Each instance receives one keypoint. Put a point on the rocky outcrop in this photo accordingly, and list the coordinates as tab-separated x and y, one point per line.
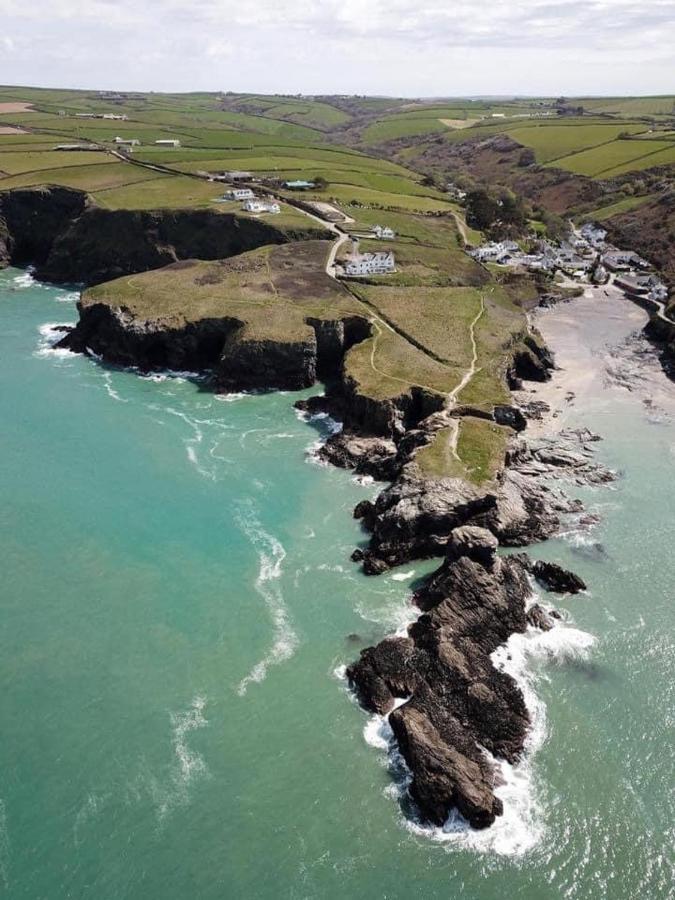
457	702
70	239
532	361
555	578
413	518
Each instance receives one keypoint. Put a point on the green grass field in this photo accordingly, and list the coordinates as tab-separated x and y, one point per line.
425	318
616	157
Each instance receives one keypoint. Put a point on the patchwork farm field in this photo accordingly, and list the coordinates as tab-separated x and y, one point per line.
363	154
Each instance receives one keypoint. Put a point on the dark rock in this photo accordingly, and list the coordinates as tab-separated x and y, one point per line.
511	416
557	579
414	517
538	617
476	543
374	456
458	703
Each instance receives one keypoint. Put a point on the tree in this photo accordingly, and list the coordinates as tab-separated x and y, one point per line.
481	209
320	182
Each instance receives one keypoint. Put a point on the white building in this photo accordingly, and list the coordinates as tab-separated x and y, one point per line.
168	142
384	233
127	142
239	194
262	206
378	263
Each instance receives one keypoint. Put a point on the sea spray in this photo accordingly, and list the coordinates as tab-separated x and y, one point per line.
271	555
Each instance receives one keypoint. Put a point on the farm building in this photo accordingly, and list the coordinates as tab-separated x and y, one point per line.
239	194
262	206
384	232
168	142
127	142
379	263
299	185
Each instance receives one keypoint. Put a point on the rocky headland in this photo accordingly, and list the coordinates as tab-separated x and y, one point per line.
273	318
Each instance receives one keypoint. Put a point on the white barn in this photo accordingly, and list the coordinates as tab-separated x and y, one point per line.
168	142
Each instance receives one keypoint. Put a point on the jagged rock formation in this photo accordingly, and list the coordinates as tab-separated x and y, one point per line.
458	703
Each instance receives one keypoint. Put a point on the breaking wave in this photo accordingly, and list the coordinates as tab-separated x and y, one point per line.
50	334
271	555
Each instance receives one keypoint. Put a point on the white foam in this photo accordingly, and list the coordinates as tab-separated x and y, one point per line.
50	334
110	390
26	280
402	576
89	810
5	847
340	672
271	555
69	297
190	763
230	398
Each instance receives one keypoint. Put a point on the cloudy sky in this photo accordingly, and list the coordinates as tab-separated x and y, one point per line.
395	47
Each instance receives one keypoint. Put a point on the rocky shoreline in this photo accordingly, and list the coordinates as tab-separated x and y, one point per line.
457	704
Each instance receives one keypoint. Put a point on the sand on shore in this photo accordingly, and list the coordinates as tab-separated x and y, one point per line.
586	334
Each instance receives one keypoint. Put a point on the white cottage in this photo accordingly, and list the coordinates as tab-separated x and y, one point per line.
378	263
384	233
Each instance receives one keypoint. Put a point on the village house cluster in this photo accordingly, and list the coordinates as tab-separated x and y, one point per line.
586	255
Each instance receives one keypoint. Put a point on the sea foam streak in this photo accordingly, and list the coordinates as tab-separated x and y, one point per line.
271	554
520	827
188	764
4	847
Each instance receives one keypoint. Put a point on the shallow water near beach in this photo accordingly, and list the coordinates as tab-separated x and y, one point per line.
177	602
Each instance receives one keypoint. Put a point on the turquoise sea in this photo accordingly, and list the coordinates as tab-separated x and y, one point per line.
176	604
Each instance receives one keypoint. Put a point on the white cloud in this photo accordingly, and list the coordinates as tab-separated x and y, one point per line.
385	46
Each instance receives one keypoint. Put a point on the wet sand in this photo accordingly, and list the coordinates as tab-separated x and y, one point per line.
598	345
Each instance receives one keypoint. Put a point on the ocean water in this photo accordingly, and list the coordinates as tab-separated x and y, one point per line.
177	604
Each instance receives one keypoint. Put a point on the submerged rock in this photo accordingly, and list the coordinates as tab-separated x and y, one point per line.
557	579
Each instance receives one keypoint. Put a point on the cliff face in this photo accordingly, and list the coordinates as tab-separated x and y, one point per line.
32	219
70	239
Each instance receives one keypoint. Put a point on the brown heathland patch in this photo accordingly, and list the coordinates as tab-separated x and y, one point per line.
16	107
